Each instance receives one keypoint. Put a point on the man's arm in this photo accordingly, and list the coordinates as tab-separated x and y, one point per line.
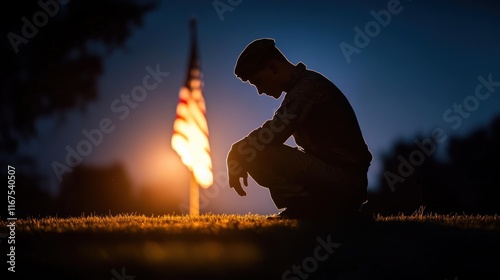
278	129
274	131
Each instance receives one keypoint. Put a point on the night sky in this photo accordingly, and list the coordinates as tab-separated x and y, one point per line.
418	72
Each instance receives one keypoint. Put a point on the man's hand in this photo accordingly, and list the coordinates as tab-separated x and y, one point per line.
235	171
235	183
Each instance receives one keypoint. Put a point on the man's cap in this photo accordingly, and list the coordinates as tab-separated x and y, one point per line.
252	57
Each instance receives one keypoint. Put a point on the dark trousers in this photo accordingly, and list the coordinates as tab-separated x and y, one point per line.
304	183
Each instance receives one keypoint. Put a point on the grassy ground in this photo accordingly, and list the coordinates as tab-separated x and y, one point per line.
251	247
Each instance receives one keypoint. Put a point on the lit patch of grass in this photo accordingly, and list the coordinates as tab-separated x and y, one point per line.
220	223
133	223
483	222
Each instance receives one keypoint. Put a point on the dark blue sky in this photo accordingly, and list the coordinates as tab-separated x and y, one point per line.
402	82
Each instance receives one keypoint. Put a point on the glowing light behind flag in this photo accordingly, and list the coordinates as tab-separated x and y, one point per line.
190	136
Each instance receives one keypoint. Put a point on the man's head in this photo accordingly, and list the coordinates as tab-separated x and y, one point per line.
264	66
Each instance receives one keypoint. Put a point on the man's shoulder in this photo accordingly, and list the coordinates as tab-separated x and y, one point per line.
313	82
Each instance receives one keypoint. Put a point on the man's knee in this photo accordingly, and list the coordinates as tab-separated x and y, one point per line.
269	167
268	157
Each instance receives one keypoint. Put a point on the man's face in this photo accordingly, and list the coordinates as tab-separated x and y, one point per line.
266	82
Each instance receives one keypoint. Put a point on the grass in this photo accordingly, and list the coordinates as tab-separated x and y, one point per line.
482	222
209	246
214	224
169	224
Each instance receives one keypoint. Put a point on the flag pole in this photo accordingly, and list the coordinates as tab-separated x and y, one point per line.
190	135
194	196
194	188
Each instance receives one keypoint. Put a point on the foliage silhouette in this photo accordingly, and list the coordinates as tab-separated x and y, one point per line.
52	57
57	69
467	182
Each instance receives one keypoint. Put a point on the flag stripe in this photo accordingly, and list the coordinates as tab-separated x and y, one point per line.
190	134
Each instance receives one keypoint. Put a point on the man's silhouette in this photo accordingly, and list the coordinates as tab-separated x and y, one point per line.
326	175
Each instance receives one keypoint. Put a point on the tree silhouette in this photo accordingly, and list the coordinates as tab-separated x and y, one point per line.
475	163
96	190
52	55
398	192
467	183
29	199
101	190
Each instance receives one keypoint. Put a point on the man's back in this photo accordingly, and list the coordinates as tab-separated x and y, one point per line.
326	125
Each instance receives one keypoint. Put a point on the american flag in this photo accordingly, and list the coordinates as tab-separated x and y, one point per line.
190	135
